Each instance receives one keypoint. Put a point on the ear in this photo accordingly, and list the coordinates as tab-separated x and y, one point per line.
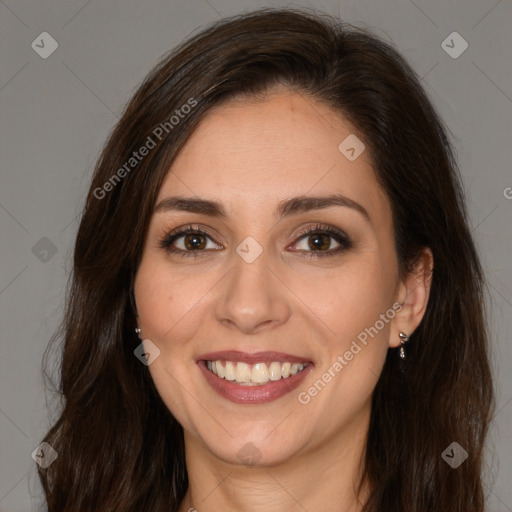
412	294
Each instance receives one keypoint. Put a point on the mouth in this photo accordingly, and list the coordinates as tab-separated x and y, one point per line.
254	375
253	378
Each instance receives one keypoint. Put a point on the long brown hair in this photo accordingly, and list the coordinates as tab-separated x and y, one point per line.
119	446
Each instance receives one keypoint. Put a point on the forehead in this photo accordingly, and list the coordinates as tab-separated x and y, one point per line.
257	151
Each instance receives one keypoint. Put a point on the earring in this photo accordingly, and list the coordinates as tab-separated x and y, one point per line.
138	330
403	340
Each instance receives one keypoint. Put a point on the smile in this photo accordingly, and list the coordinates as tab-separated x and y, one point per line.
256	374
253	378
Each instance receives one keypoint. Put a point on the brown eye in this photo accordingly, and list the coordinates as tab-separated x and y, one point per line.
188	241
194	241
319	241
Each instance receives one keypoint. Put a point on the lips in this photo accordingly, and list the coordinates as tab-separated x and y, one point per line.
253	394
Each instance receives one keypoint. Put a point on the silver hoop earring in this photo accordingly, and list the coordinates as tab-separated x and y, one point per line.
403	340
138	330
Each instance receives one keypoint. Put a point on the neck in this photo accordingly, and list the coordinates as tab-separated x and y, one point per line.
324	477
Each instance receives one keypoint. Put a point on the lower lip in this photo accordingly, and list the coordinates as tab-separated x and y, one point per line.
259	394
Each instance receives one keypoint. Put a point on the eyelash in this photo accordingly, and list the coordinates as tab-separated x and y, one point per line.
340	237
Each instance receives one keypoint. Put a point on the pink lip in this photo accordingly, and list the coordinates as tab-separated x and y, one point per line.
254	395
256	357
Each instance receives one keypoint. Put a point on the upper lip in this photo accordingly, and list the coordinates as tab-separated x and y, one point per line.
253	358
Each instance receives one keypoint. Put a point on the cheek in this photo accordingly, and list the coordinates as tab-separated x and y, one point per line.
350	299
167	306
355	351
165	298
356	307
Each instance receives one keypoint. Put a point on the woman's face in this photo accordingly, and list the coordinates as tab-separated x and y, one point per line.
252	281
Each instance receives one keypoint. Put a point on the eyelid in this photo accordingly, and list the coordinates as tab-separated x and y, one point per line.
321	227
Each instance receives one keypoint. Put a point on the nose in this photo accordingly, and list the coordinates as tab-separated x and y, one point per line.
253	297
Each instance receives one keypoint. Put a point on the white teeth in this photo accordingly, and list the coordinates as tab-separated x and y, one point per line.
242	372
275	370
212	367
294	369
220	369
229	371
258	373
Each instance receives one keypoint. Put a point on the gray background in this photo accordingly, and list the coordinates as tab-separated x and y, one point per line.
57	112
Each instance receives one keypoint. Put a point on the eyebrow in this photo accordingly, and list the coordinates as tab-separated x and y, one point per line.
285	208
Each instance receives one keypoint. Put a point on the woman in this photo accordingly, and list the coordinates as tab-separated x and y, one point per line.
276	301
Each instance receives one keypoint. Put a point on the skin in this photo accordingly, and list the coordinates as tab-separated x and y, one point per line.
250	154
